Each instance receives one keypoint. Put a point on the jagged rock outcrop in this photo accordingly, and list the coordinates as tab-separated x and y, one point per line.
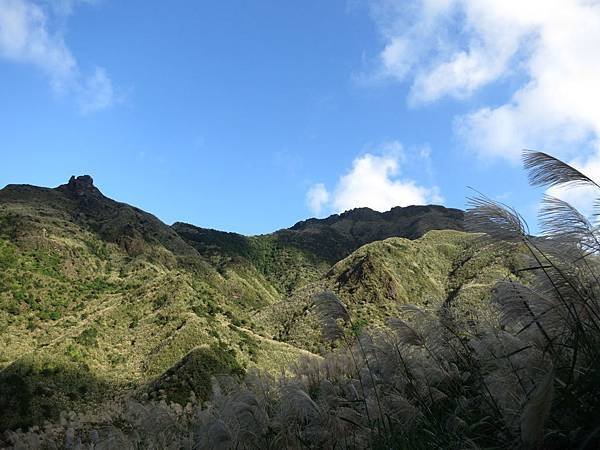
80	186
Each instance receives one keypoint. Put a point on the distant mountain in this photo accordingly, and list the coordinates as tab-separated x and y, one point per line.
100	299
310	247
338	235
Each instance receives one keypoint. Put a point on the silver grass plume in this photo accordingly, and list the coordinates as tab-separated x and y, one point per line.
536	411
546	170
331	311
498	221
249	414
530	309
115	438
559	219
219	436
515	301
405	333
297	405
402	410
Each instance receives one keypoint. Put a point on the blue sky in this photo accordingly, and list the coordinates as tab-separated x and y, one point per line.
250	116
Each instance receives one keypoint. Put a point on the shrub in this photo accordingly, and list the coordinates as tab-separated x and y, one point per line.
88	337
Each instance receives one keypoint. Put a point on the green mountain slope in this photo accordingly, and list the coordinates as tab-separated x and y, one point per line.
378	279
97	296
99	299
283	267
337	236
293	257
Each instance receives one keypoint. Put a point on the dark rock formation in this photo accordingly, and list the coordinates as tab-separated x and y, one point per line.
82	186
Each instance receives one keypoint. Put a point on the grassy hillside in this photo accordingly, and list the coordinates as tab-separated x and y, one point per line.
337	236
100	300
377	280
293	257
98	297
284	267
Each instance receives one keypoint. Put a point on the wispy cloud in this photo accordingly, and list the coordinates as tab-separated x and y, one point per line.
546	48
30	33
374	181
455	47
317	198
96	93
64	8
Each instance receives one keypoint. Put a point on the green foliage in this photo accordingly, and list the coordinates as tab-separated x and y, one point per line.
8	257
88	337
195	371
98	248
37	388
160	301
376	281
74	353
9	225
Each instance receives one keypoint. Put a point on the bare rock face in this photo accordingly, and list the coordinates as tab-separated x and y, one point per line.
80	186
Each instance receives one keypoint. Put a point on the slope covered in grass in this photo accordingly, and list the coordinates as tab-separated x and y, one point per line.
97	297
378	279
100	300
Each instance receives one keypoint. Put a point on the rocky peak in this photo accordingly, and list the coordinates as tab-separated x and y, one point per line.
80	186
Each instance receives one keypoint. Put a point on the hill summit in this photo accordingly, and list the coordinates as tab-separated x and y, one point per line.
82	185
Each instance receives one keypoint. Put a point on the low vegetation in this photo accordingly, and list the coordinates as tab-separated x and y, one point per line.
418	351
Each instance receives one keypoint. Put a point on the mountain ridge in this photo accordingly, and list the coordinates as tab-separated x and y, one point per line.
82	187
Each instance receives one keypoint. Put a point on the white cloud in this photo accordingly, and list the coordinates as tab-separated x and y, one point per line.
24	38
373	181
27	37
317	197
64	8
97	92
548	48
